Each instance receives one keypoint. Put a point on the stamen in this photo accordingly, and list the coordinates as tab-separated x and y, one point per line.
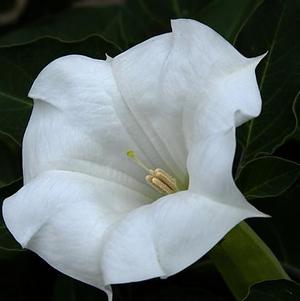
166	178
148	179
158	185
159	179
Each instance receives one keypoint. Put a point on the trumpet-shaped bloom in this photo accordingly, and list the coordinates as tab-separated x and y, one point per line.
176	100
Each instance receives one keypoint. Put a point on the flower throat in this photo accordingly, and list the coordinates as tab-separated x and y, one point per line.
158	179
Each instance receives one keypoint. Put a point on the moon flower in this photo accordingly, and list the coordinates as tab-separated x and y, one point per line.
128	161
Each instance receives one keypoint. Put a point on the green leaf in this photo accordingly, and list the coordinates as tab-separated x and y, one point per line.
243	259
273	28
128	24
7	191
104	22
8	245
228	17
267	176
280	231
296	134
10	161
19	67
7	242
279	290
159	13
122	25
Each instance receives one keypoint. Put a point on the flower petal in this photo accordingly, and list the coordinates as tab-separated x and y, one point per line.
176	100
162	238
165	79
64	217
74	125
210	169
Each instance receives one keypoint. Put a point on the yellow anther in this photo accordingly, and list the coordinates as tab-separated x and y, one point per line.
159	179
158	185
149	179
165	178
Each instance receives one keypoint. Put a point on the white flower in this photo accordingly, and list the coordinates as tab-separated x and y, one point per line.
175	100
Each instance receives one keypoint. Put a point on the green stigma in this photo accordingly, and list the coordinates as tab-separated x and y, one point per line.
131	154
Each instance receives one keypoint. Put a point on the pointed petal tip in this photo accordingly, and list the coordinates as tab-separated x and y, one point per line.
254	61
174	24
108	58
107	289
265	215
259	214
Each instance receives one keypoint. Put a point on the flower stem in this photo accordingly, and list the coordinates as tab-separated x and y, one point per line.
243	259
